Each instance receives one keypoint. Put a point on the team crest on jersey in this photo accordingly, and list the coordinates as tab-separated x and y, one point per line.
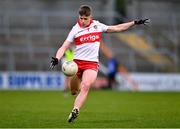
95	27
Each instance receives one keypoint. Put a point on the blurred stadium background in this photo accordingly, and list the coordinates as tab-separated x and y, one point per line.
31	31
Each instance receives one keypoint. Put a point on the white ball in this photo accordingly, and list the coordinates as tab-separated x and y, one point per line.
69	68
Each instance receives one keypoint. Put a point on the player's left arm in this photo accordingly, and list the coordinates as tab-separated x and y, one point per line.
120	27
125	26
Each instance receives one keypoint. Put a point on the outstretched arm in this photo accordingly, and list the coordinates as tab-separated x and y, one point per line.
127	25
120	27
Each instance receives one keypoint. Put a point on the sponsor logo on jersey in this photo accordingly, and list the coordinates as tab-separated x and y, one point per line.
88	38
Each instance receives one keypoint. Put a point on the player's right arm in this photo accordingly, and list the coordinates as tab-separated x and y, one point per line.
62	49
59	53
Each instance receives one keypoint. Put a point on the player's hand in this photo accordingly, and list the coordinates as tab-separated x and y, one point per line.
54	62
141	21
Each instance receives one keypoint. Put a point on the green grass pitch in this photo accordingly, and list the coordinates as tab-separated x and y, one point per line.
103	109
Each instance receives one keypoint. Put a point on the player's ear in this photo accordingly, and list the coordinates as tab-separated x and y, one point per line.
91	17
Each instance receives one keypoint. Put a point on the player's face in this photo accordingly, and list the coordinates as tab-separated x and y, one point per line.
85	20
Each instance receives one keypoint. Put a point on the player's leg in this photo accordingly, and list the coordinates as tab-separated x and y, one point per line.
88	78
74	85
67	84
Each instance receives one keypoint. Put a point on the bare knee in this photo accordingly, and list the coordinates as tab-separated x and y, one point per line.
85	87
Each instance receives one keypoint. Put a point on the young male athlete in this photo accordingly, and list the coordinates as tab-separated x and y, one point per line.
86	34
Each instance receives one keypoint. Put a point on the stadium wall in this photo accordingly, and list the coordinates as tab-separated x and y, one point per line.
55	81
152	82
31	80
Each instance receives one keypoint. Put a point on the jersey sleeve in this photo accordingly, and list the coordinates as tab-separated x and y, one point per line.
102	26
71	35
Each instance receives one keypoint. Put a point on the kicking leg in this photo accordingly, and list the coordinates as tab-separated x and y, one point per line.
74	85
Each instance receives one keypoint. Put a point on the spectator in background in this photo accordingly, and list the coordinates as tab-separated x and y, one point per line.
114	68
112	65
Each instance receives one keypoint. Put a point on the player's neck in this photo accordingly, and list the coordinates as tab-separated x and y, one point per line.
79	23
